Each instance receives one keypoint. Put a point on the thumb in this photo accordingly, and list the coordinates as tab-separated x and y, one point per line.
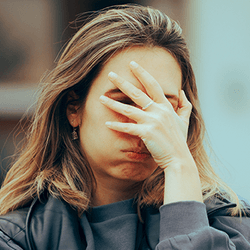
184	108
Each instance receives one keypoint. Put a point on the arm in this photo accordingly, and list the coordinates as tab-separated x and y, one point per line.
164	132
184	225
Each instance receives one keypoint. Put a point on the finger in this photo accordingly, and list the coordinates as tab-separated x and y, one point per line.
136	95
185	107
128	128
152	87
127	110
130	90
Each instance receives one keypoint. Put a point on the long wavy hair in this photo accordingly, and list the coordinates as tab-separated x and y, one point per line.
51	161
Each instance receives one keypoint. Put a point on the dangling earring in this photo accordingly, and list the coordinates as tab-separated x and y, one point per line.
74	134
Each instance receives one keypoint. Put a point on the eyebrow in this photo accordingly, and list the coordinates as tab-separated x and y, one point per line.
116	90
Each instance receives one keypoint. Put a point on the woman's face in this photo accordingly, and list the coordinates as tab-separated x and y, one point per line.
114	155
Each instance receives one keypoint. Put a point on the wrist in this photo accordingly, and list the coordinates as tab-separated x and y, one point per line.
182	182
185	161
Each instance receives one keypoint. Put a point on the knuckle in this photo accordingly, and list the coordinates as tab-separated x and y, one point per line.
156	126
110	103
140	70
126	128
127	111
120	80
136	93
152	82
148	131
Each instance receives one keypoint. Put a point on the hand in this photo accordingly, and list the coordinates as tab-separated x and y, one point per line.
163	131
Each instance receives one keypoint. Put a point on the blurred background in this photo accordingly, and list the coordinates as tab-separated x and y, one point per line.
217	32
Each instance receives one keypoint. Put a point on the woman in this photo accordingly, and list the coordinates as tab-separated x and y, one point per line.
114	157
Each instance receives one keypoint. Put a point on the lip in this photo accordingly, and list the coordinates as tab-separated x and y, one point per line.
137	154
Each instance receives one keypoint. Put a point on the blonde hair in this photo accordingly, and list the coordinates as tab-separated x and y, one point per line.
50	159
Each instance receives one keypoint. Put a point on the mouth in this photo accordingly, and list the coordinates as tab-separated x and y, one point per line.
137	154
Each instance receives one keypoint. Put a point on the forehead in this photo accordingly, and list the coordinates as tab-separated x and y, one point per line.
157	61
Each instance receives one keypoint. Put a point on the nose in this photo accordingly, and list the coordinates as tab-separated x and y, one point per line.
137	141
140	143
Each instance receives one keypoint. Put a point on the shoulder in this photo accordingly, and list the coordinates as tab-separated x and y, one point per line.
236	227
218	205
13	227
22	226
16	221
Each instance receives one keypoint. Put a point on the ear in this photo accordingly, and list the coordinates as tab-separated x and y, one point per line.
73	109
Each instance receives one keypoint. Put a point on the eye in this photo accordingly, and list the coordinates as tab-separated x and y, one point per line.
175	106
127	101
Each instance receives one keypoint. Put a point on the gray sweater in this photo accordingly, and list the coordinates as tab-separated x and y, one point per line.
53	224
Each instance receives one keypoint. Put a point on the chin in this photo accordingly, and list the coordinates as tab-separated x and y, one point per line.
137	172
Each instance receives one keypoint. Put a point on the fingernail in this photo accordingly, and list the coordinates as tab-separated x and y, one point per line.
134	64
112	75
103	98
108	123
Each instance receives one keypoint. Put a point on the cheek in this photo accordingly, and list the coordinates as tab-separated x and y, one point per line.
110	115
120	118
93	122
93	129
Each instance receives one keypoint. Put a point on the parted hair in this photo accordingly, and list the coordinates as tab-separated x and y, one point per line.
51	161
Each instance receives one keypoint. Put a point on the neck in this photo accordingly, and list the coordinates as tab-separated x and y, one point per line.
107	193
